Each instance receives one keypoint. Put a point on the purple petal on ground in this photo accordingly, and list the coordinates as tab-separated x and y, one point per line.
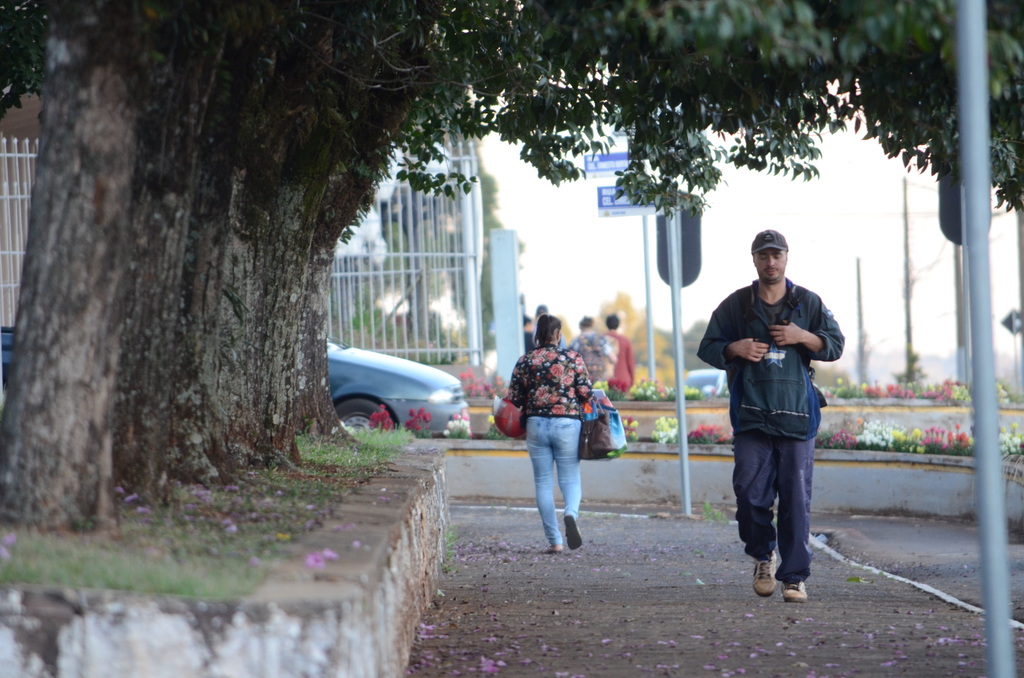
9	539
315	560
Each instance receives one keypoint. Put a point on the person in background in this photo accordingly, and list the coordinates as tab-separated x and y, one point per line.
625	364
597	352
765	336
549	385
528	344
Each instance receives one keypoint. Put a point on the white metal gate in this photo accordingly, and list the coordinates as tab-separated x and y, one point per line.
17	168
407	283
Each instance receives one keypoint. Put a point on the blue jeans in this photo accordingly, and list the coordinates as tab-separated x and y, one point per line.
553	443
770	467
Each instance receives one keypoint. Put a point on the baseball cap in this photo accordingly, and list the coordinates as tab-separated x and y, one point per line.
769	239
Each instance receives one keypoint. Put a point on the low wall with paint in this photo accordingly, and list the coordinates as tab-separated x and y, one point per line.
356	618
852	481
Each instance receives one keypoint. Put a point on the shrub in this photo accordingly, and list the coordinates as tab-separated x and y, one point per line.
458	427
652	391
617	389
1011	442
692	393
492	431
481	387
419	423
666	430
381	420
948	391
837	440
709	434
631	425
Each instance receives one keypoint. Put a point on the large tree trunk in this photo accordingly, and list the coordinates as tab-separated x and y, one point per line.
166	423
289	211
55	464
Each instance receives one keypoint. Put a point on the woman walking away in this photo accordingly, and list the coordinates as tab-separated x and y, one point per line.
549	386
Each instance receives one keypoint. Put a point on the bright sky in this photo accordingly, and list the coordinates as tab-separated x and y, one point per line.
573	260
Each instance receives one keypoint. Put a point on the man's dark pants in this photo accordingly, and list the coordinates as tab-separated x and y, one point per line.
768	467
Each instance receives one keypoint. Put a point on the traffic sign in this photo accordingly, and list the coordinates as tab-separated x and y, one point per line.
609	206
1012	322
605	164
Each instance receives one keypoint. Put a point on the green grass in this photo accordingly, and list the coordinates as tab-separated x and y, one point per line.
451	538
209	543
711	513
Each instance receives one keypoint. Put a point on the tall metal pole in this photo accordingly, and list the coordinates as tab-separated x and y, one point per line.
962	371
675	278
862	367
472	246
975	168
650	303
911	373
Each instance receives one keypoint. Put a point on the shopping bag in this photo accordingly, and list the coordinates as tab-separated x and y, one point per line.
602	435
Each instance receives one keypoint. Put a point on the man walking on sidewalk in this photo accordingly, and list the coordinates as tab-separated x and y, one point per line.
765	335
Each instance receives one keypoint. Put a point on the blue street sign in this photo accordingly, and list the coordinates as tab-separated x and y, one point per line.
605	164
608	206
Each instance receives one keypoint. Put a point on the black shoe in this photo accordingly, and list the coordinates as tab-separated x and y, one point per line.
572	533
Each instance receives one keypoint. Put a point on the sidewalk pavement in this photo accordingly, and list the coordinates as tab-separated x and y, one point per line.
669	595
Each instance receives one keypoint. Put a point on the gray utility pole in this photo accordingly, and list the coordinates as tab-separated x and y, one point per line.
911	363
862	363
976	169
963	365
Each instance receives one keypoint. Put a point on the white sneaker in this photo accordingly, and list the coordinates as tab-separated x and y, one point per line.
764	577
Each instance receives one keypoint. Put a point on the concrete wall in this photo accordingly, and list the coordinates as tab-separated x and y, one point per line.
848	481
357	617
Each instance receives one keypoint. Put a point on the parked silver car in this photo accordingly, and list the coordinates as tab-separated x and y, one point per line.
711	382
361	381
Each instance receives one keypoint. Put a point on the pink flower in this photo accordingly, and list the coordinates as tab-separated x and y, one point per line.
315	560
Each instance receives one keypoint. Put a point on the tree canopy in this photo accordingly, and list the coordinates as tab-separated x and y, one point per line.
693	84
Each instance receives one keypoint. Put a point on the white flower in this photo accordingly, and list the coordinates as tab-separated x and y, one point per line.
878	435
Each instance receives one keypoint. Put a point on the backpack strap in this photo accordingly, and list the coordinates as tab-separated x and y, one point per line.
747	303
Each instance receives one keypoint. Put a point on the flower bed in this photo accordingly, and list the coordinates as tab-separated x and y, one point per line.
652	390
881	436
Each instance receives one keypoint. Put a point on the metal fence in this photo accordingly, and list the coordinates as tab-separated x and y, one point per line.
406	283
17	168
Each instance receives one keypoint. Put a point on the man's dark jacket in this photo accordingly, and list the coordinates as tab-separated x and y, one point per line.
776	395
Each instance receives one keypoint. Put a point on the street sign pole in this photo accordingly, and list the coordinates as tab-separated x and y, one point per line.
651	372
676	284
